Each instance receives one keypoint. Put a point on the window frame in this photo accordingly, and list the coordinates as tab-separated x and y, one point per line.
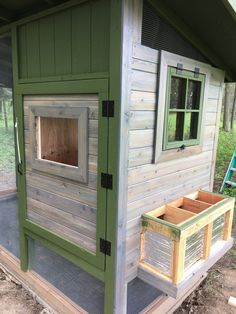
187	75
165	60
79	173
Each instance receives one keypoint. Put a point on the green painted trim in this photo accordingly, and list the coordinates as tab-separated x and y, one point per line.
67	253
96	86
85	76
178	230
175	230
113	153
19	115
165	12
100	87
187	75
109	212
60	242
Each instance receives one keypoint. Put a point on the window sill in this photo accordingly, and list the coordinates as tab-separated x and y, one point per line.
176	153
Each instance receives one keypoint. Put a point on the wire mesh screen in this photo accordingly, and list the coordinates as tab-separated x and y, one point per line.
194	249
158	251
7	146
218	227
160	35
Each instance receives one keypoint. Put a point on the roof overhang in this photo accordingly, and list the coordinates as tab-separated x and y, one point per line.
209	25
13	10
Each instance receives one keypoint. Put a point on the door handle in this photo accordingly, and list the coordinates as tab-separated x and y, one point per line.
19	166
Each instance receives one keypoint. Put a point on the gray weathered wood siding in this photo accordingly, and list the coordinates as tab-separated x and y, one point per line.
151	185
65	207
72	42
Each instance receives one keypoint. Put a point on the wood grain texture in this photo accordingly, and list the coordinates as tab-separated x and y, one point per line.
207	241
178	260
152	184
64	205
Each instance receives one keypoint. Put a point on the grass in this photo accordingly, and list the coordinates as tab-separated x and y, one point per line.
185	119
226	147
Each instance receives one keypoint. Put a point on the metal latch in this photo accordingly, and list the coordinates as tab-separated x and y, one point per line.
108	108
105	247
106	180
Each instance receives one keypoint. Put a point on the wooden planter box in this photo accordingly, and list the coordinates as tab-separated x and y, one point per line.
182	234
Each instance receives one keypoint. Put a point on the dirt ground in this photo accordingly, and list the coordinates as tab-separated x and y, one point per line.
14	299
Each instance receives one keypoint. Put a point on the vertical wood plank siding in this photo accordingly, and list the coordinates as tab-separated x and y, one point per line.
72	42
151	185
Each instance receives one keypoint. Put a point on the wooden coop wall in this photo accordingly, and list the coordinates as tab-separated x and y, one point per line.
72	42
152	184
64	206
69	45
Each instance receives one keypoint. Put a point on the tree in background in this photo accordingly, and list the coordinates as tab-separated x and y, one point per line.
5	103
229	106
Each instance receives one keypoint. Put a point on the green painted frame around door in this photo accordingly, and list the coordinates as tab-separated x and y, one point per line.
93	263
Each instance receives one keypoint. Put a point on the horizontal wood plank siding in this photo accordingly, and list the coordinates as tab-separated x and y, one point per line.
71	42
151	185
65	207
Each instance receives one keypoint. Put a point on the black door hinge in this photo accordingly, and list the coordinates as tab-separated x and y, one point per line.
108	108
106	181
105	247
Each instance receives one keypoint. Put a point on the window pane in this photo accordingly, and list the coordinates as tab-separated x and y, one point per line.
59	140
191	125
193	96
177	93
175	126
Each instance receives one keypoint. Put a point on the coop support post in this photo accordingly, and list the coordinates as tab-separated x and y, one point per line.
178	260
115	291
207	240
228	224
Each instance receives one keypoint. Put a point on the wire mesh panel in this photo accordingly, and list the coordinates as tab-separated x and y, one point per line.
7	147
218	227
158	251
194	248
9	216
75	283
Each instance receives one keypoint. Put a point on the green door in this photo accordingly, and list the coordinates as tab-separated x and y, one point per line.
63	140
